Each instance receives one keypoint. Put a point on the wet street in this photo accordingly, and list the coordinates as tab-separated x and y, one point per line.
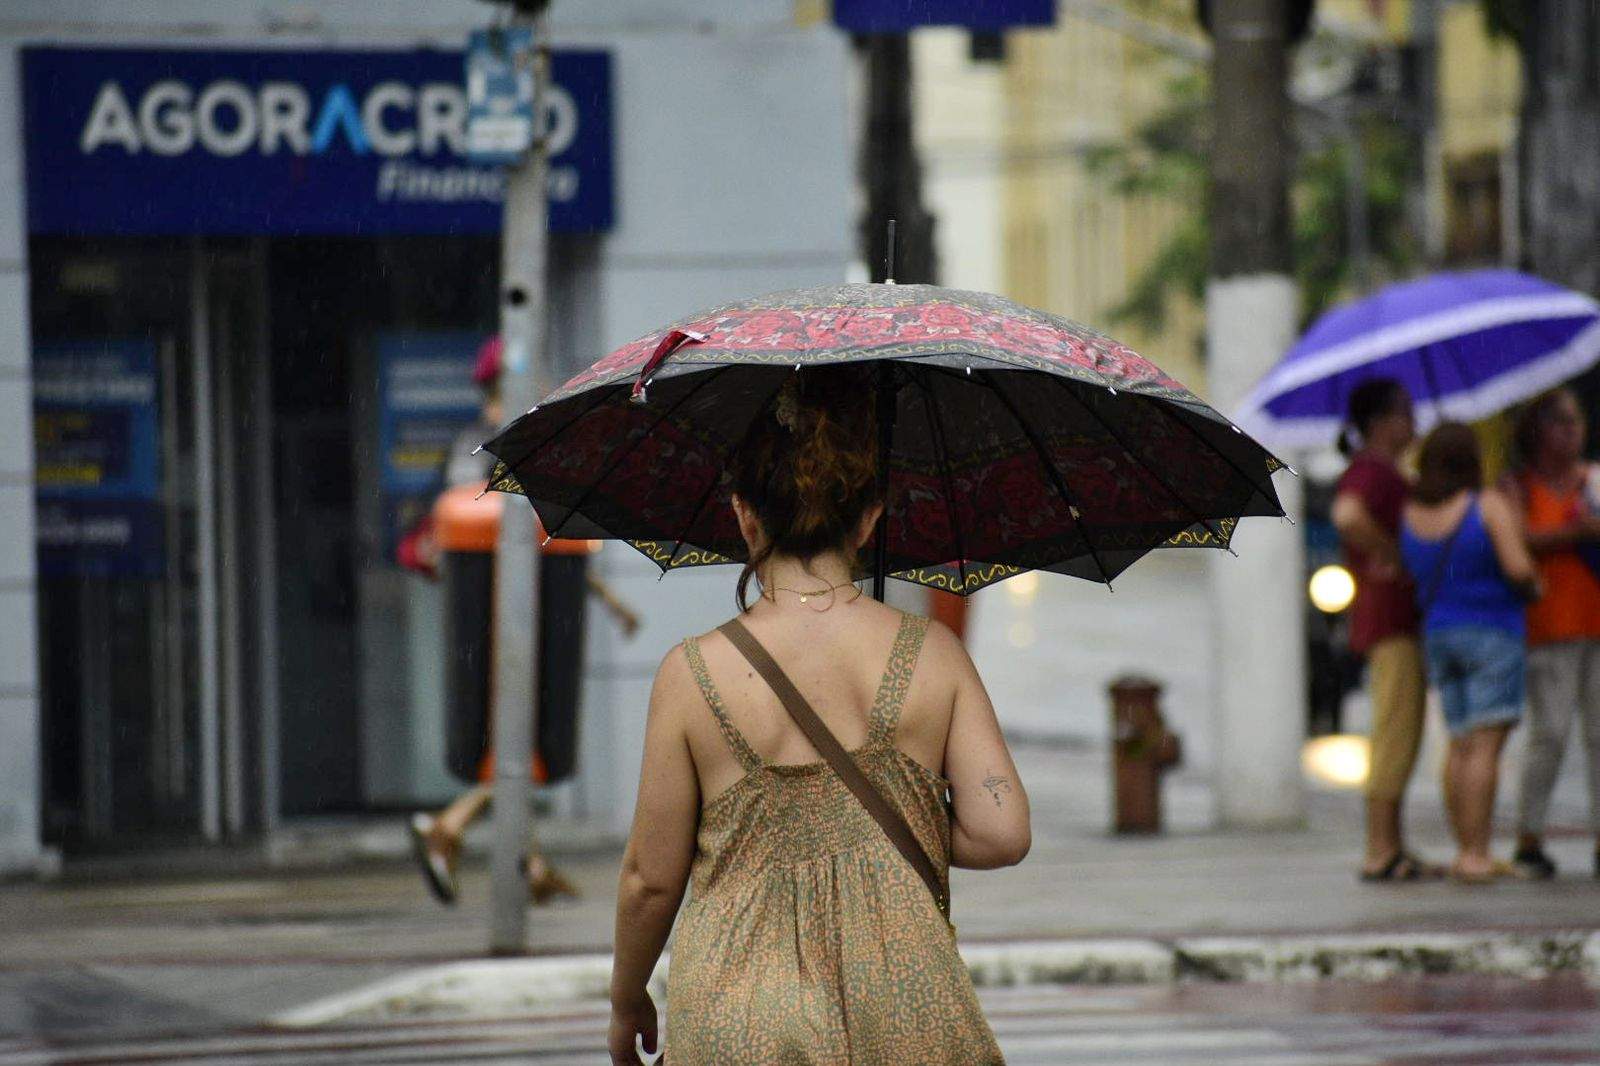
1432	1021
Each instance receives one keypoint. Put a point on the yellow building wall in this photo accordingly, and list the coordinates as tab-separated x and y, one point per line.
1073	245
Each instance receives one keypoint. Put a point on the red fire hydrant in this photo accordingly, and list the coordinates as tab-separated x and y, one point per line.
1141	749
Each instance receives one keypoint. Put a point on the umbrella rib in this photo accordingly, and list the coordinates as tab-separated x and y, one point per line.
936	425
1167	413
706	496
568	424
1194	512
583	498
1055	477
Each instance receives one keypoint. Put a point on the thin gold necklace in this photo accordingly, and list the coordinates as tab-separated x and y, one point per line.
806	596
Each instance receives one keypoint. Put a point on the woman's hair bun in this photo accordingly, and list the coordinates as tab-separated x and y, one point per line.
810	467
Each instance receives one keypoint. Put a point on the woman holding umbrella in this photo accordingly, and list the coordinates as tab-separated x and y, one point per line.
808	936
1383	618
969	439
1555	488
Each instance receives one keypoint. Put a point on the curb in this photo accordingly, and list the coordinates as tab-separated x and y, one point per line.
508	987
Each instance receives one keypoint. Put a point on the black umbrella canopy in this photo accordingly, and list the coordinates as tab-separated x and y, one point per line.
1012	439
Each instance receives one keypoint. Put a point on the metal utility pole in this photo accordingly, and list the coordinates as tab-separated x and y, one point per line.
889	169
892	178
1251	310
523	380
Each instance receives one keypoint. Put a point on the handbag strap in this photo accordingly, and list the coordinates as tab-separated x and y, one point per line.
888	817
1436	577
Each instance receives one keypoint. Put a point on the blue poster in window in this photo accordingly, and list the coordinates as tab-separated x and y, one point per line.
97	460
278	141
426	404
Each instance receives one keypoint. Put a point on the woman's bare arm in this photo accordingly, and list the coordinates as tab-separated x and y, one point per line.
1510	546
655	866
990	827
1357	528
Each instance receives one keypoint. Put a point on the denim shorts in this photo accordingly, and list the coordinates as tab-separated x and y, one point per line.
1481	675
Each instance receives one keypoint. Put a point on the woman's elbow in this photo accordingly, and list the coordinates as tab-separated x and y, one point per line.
992	851
1015	847
639	888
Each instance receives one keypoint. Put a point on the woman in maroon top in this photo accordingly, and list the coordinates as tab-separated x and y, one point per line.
1383	619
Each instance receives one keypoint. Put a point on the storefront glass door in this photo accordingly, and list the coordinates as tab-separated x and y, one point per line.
157	649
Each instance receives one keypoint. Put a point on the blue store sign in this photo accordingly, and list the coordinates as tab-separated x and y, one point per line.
97	468
898	16
278	142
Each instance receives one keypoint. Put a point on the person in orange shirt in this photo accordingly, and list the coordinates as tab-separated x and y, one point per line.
1560	495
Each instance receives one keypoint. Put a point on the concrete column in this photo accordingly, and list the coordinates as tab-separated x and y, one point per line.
20	779
1258	602
1251	305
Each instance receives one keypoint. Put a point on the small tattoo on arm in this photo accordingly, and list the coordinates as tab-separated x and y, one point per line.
997	785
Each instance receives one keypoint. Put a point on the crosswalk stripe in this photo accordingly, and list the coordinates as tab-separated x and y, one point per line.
1033	1030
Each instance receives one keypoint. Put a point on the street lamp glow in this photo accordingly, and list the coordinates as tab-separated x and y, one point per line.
1340	760
1332	588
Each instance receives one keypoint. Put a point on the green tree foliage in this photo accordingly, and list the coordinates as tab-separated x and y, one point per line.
1166	159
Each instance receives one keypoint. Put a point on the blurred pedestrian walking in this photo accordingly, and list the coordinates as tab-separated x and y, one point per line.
1559	493
818	928
1383	619
436	839
1464	547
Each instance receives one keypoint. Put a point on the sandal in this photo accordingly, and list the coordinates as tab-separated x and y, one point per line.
545	882
437	868
1404	866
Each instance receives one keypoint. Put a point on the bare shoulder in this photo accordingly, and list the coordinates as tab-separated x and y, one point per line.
674	684
1496	506
944	654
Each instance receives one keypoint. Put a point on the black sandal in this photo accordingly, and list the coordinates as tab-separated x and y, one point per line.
1403	867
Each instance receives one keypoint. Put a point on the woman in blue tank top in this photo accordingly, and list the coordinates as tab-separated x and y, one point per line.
1465	550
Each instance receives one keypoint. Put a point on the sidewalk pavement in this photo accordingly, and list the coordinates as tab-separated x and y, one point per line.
363	939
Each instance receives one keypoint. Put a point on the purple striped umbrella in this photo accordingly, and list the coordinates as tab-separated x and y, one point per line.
1465	346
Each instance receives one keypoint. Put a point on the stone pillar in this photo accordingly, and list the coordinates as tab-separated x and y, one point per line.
20	779
1251	313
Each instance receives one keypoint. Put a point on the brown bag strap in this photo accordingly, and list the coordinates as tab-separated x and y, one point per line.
883	812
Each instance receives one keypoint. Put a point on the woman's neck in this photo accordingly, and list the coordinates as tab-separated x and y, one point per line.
1388	451
814	576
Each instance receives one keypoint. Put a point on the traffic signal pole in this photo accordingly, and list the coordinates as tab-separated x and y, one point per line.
523	380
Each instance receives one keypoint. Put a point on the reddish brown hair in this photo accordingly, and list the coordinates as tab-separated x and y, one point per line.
1449	462
811	476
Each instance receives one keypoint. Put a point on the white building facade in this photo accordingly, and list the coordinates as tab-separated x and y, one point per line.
205	632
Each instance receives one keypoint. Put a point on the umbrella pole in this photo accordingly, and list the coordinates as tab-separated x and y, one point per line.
886	413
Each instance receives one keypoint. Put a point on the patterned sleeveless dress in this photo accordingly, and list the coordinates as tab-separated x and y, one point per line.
808	938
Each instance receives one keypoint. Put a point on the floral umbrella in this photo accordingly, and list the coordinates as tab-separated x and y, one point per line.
1011	439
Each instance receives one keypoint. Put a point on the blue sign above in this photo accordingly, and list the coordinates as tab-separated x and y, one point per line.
898	16
280	142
